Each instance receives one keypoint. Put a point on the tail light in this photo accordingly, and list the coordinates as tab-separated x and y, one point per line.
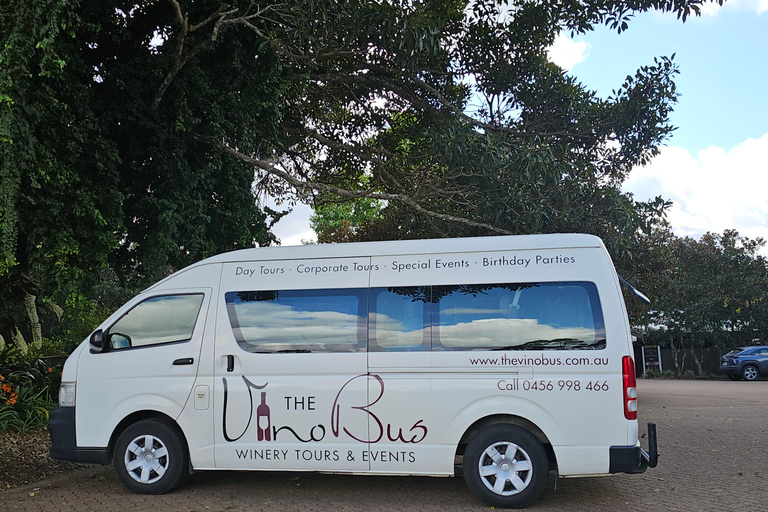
630	388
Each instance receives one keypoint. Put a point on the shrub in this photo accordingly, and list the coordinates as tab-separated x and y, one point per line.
28	391
656	374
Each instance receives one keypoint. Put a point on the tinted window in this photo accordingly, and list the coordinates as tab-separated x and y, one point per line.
400	318
518	317
164	319
299	320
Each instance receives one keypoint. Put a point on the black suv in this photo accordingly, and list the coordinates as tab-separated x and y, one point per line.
747	362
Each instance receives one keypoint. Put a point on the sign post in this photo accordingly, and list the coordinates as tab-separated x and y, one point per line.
651	358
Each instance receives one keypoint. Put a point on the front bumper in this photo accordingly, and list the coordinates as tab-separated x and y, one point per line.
633	459
61	425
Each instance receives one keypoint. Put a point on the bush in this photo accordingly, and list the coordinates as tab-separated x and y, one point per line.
28	391
656	374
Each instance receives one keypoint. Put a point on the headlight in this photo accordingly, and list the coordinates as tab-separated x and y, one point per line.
67	394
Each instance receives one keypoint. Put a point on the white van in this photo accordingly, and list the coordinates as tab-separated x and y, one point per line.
508	355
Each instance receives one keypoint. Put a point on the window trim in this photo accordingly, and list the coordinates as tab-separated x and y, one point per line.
106	332
362	294
366	325
589	287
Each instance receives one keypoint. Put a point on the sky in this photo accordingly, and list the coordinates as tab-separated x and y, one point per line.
714	167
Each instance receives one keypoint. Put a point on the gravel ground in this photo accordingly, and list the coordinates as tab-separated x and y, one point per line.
24	458
713	438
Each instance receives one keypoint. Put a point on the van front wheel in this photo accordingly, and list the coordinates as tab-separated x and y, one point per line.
506	466
150	457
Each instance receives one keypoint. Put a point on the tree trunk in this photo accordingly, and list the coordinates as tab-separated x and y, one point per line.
675	355
697	361
34	320
18	339
685	353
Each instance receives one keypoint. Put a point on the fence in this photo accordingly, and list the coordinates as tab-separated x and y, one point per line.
708	357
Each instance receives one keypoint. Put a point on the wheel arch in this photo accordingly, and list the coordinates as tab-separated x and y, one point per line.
507	419
137	416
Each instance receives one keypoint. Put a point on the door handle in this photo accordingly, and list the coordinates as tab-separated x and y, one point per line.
230	363
183	361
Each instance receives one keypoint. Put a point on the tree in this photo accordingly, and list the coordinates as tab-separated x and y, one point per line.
131	130
94	173
542	154
717	289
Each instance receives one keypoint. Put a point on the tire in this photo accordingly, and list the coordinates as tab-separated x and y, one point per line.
750	372
151	457
734	377
505	466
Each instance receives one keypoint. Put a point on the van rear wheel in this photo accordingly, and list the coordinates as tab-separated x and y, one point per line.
506	466
150	457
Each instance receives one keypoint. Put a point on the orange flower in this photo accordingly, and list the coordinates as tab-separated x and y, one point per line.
50	370
6	388
12	400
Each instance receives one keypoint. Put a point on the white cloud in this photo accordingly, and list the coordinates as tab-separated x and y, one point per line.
715	191
566	52
293	229
758	6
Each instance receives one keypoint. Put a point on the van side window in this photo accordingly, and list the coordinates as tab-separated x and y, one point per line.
534	316
158	320
400	319
299	320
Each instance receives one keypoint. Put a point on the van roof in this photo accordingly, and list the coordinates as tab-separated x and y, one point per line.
400	247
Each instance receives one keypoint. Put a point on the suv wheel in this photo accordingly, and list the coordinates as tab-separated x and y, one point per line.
750	372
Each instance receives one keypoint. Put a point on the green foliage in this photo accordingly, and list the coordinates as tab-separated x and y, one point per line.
95	174
718	284
135	136
711	292
495	138
28	391
666	374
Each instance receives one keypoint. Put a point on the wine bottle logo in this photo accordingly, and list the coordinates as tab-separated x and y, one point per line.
263	420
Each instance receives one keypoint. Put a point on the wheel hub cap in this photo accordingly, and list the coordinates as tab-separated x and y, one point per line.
505	468
146	459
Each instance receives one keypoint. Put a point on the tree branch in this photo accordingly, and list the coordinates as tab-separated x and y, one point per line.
312	186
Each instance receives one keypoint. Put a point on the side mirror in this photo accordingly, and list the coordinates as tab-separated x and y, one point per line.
97	342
